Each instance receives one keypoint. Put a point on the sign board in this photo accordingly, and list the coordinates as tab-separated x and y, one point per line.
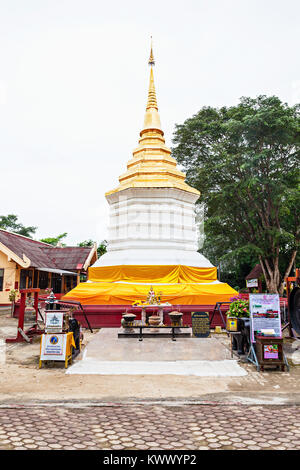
265	315
271	351
252	283
200	324
53	347
54	322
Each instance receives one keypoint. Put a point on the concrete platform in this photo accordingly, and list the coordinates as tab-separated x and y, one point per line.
106	354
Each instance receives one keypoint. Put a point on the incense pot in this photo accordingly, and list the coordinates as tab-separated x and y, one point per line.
154	320
127	322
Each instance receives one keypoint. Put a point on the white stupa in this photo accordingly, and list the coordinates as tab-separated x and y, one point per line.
152	230
152	211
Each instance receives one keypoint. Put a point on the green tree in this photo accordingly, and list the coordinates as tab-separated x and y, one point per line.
55	240
232	268
10	222
101	248
245	161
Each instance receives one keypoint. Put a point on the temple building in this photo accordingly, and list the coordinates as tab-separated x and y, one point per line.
152	232
27	263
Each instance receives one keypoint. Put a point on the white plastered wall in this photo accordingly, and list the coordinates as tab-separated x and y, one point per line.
152	226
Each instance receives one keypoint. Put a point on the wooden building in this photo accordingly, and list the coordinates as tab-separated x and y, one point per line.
255	278
26	263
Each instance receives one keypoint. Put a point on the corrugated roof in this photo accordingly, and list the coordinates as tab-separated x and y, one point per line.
43	255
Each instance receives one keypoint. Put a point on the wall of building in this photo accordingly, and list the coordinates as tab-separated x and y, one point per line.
9	277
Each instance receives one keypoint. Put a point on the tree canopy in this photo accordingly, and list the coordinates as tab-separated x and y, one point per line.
101	248
55	240
10	222
245	161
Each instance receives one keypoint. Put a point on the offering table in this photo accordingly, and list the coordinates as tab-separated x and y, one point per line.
161	308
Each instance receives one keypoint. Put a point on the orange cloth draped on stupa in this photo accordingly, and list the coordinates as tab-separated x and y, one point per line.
121	285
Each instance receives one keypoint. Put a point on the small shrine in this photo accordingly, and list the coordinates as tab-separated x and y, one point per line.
161	320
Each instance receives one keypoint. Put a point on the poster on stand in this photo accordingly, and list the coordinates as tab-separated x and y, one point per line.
265	315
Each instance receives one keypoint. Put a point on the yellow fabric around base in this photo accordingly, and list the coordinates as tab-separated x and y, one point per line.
92	293
153	274
120	285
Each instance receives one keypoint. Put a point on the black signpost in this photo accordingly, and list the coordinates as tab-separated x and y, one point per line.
200	324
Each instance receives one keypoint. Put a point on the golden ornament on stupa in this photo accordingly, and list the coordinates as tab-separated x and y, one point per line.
152	165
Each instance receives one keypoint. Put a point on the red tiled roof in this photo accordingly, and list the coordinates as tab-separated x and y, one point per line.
43	255
20	245
68	257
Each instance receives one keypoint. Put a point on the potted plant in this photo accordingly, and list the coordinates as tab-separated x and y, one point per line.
239	308
12	298
238	322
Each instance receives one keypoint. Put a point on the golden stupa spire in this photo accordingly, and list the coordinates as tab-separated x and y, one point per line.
152	165
152	119
152	102
151	58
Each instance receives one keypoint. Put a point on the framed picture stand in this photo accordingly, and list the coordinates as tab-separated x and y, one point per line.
266	341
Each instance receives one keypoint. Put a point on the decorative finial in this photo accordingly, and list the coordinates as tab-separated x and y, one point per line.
151	58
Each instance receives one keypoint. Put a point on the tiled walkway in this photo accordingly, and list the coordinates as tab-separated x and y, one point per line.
150	427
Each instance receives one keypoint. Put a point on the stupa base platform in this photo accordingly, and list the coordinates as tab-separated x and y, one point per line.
109	316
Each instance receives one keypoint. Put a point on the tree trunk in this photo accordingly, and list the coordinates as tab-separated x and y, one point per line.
269	275
272	285
288	271
281	289
273	279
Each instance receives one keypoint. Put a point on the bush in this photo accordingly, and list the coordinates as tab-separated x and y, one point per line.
239	308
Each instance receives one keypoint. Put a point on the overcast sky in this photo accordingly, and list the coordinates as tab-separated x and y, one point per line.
73	90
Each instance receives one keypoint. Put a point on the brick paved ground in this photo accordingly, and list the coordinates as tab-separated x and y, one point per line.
150	427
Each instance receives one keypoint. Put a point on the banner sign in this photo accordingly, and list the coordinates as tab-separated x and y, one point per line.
53	347
265	315
252	283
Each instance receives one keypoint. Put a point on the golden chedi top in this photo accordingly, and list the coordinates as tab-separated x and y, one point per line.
152	165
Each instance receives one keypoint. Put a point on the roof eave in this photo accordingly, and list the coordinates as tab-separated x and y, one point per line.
25	262
89	258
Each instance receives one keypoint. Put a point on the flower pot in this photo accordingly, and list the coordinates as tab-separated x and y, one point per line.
232	324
